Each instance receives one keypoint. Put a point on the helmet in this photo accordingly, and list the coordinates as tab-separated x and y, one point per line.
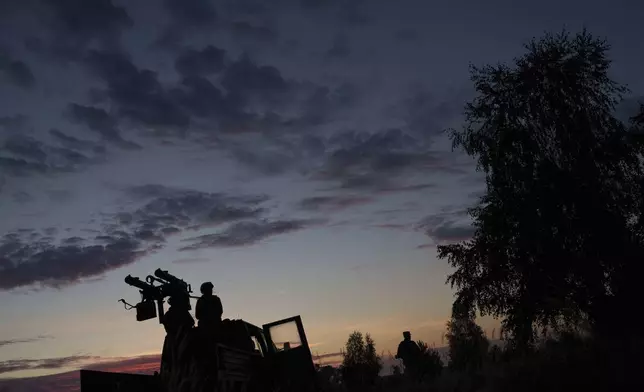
207	286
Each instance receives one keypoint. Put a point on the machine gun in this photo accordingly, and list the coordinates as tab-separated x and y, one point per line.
169	286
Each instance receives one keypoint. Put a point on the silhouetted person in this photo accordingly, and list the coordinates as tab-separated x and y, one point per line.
209	308
409	352
177	321
178	315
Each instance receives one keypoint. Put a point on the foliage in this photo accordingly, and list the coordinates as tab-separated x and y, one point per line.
395	370
559	231
430	364
361	363
468	345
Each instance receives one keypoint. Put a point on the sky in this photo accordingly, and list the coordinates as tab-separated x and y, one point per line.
292	152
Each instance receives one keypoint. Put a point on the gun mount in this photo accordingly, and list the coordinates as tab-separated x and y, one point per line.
168	286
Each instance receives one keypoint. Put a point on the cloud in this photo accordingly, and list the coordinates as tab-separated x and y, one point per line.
427	115
100	121
247	31
41	262
136	93
79	24
186	13
70	380
186	16
350	13
393	226
25	147
15	123
206	103
248	233
16	71
74	143
448	227
14	365
20	341
340	47
333	203
383	162
245	77
22	155
167	207
209	60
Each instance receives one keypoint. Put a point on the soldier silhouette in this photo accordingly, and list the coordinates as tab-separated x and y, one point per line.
178	315
177	322
409	352
209	308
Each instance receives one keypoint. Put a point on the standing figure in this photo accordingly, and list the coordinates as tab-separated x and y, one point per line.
209	309
178	323
409	352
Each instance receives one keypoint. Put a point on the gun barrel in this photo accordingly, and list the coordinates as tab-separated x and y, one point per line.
165	275
138	283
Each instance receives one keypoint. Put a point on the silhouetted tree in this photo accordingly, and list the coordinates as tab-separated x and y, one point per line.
558	232
430	364
361	364
372	359
468	345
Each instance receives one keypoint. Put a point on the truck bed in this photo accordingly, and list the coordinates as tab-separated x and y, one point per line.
235	366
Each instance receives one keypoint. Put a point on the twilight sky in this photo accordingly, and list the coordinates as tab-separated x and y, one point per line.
290	151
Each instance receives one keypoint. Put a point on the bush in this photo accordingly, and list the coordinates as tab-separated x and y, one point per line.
430	364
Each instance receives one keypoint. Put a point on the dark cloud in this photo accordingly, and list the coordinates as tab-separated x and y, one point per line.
246	7
98	120
245	102
22	155
13	123
393	226
247	233
21	167
79	24
333	203
325	102
427	115
210	106
74	143
16	71
245	77
25	147
167	211
186	16
136	93
340	47
265	161
22	197
378	161
192	13
254	33
350	13
448	227
41	262
14	365
20	341
209	60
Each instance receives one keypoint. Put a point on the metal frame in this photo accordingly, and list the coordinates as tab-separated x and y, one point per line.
300	330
